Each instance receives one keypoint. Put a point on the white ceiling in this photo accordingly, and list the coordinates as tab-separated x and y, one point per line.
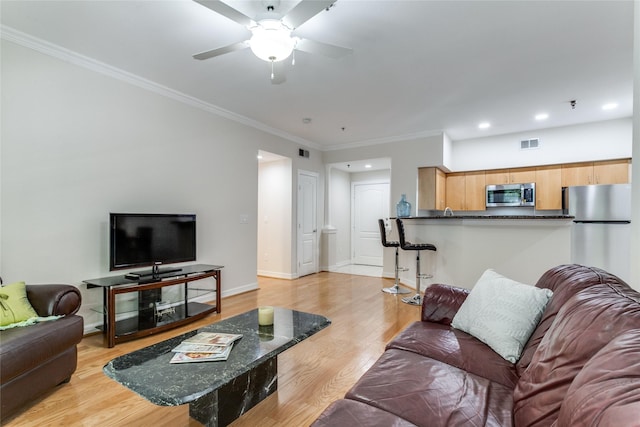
417	68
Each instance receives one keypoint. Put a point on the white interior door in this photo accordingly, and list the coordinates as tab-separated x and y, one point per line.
307	226
370	203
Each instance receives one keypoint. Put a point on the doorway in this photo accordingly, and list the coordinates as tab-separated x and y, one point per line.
356	237
370	203
275	203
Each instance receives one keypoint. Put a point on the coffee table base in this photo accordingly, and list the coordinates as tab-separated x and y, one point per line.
222	406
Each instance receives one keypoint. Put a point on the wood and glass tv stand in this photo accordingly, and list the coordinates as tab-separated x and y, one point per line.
153	312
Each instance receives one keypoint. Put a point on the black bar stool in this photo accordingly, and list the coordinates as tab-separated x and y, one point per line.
395	289
408	246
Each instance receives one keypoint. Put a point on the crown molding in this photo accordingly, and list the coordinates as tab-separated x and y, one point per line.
385	140
59	52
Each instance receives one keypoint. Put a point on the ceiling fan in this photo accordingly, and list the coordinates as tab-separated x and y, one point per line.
271	38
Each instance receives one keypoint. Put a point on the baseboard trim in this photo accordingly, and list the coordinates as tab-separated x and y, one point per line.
275	274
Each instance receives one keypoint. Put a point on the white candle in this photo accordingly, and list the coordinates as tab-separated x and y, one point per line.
265	316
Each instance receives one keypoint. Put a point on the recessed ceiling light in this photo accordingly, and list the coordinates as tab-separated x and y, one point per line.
610	106
259	156
542	116
367	166
484	125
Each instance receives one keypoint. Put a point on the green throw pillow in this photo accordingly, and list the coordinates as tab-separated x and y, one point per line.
14	304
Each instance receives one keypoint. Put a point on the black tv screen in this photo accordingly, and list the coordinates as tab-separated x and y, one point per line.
140	240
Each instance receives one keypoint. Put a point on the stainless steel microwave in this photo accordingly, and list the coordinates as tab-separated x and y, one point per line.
511	195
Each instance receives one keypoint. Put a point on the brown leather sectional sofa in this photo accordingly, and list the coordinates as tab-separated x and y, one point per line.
580	367
36	358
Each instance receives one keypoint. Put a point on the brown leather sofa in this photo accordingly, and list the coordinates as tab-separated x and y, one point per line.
580	367
36	358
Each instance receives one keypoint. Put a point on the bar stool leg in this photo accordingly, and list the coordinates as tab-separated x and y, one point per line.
417	298
395	289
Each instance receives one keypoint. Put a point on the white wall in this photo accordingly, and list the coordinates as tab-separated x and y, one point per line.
383	175
274	219
588	142
78	144
635	187
340	206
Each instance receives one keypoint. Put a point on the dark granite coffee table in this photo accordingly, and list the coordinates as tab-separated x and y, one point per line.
217	392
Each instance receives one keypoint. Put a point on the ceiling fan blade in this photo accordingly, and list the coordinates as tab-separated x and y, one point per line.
227	11
304	11
221	51
329	50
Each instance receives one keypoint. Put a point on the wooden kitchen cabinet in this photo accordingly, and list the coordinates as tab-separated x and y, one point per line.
522	175
611	172
466	191
577	174
510	176
497	177
431	189
548	187
606	172
455	197
441	189
475	191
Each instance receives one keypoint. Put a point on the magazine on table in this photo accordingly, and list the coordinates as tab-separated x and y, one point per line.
186	347
201	357
205	347
213	338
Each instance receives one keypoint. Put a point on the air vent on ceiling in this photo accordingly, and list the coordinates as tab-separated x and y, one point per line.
303	153
529	144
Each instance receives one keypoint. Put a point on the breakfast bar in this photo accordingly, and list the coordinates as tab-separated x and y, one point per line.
519	246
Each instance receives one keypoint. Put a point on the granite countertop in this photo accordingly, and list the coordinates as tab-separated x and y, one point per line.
569	217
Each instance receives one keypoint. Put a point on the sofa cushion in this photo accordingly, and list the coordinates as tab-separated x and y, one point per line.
502	313
606	392
583	326
14	304
565	281
456	348
430	393
351	413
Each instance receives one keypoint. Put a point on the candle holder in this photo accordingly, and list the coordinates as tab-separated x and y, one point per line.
265	316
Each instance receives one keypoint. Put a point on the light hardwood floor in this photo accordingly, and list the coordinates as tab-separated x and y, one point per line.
311	374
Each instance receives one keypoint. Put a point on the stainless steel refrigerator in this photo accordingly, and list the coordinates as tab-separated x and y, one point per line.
601	230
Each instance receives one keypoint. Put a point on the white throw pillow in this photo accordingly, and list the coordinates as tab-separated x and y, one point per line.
502	313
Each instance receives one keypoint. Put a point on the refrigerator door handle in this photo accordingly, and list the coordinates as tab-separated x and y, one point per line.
601	222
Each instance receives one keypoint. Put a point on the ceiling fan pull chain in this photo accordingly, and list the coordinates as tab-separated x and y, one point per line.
293	59
272	75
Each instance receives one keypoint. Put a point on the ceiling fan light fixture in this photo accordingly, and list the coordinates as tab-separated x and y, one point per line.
271	40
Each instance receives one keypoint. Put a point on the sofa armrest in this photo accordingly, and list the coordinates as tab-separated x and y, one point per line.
441	303
54	300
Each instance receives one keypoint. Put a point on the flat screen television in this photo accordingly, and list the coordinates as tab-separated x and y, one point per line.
142	240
